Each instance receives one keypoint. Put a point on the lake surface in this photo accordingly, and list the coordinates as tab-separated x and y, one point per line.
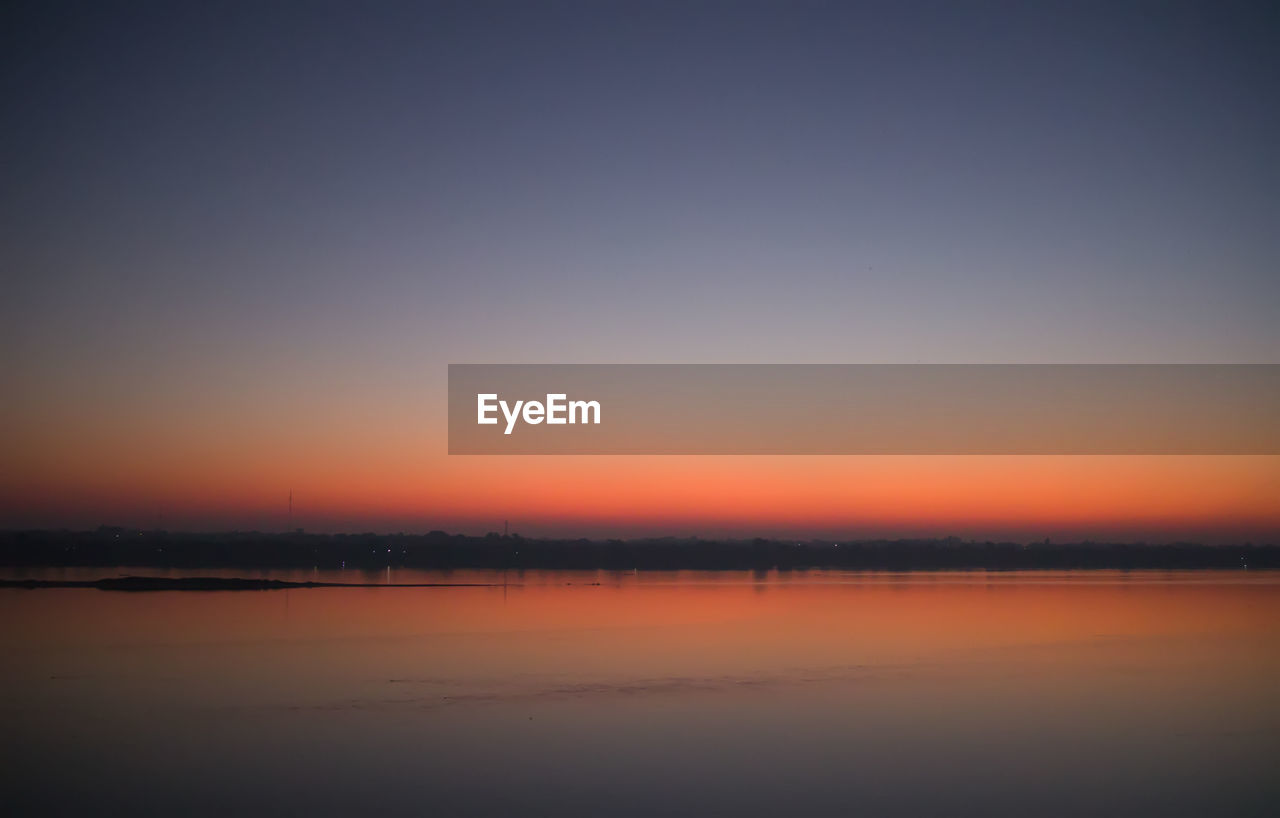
817	693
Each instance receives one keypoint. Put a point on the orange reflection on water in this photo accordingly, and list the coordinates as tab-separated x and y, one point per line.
832	688
641	620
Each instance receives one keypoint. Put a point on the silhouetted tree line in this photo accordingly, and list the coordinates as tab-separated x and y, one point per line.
110	546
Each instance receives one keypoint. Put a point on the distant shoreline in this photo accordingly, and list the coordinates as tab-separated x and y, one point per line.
217	584
117	547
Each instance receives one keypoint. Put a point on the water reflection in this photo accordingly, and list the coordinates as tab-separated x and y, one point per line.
590	693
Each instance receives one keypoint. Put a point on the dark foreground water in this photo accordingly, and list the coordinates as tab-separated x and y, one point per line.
722	694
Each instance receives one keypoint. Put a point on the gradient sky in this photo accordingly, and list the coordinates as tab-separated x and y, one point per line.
242	242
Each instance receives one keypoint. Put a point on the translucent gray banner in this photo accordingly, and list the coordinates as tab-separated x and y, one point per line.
864	409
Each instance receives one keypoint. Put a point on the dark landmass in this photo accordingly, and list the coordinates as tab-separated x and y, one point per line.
111	546
213	584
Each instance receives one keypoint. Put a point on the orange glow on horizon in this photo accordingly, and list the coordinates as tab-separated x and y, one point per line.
354	465
339	486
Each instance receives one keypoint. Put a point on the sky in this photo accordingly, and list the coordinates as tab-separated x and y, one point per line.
242	242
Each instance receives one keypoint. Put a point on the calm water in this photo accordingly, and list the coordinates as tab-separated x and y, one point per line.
811	694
